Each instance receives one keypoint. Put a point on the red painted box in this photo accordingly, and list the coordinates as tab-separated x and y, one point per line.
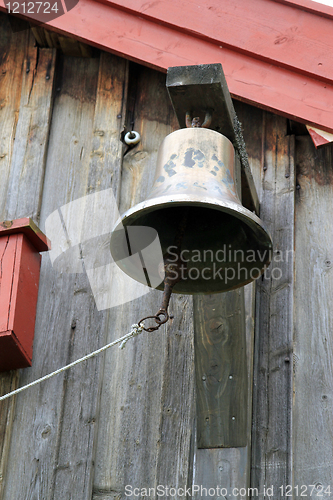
20	244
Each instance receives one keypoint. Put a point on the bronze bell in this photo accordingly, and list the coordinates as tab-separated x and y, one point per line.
223	245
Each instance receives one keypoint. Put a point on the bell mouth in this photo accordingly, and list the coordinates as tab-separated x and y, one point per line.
225	246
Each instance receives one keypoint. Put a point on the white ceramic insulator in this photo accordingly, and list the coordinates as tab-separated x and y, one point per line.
132	138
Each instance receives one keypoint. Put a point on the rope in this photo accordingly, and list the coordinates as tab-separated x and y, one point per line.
136	330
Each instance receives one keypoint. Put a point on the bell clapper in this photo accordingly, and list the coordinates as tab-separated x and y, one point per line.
173	272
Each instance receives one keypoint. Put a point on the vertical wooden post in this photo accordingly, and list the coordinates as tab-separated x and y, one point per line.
221	370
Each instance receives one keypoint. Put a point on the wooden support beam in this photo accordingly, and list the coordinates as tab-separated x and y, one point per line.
221	370
202	88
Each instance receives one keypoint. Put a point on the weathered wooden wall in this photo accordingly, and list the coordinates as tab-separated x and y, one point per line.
93	430
128	417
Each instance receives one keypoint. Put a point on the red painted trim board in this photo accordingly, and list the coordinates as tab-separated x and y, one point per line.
287	69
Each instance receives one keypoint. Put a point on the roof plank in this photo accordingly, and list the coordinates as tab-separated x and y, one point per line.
286	69
282	33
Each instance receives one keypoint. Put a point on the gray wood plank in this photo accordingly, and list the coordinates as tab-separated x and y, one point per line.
221	365
313	355
8	382
12	50
219	471
27	168
77	443
147	403
250	307
251	120
271	436
55	423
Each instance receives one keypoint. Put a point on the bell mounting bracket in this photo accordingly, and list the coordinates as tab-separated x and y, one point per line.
203	88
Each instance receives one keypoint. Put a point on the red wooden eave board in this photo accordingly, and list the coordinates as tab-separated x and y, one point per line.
276	54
